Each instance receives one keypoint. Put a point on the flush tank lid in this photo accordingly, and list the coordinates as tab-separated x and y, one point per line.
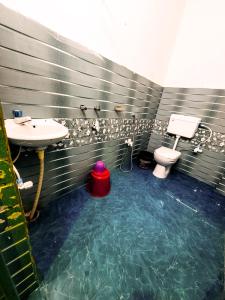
181	125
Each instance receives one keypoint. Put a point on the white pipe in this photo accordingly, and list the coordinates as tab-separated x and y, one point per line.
130	143
17	173
18	154
19	179
198	148
210	133
176	142
22	185
131	161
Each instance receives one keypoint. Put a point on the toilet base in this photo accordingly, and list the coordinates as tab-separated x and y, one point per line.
161	171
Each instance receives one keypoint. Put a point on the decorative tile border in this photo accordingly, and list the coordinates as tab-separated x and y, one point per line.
83	132
216	144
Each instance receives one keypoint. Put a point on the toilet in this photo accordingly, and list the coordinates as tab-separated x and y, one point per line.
181	126
165	158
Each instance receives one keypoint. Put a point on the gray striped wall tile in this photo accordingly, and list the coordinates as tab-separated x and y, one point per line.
209	105
48	76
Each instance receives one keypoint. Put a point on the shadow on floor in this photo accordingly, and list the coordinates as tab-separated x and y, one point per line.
139	295
215	291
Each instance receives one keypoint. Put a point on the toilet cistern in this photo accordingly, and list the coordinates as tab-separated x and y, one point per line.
181	126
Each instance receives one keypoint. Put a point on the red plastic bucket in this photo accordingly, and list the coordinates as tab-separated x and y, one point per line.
99	181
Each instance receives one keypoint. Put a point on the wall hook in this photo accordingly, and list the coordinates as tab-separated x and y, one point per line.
97	108
83	107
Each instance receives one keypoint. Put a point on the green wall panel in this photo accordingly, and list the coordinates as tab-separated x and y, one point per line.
18	276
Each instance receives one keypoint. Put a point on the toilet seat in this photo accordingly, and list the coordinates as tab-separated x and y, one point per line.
168	153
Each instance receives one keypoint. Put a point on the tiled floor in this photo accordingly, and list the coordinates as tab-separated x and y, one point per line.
149	239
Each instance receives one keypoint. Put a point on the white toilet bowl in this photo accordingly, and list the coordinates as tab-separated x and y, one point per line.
165	158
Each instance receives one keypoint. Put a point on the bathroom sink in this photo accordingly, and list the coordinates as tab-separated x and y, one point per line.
36	133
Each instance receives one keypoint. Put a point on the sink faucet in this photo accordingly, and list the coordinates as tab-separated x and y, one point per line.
22	120
18	117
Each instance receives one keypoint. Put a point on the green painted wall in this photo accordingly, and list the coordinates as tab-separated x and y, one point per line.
18	276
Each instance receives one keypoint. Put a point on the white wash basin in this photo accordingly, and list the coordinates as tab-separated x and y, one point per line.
35	133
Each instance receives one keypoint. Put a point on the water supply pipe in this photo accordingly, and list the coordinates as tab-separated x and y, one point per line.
130	143
176	142
41	156
22	185
198	148
131	158
29	184
19	179
18	155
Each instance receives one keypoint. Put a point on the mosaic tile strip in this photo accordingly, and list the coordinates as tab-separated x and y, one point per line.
83	131
216	143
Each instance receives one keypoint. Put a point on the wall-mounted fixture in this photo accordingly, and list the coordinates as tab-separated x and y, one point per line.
128	151
38	134
199	149
130	144
119	108
97	108
83	108
17	113
96	126
179	125
18	117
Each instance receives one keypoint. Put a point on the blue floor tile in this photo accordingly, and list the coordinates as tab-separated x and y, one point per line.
149	239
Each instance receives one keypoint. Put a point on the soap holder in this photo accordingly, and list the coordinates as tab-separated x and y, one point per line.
119	108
